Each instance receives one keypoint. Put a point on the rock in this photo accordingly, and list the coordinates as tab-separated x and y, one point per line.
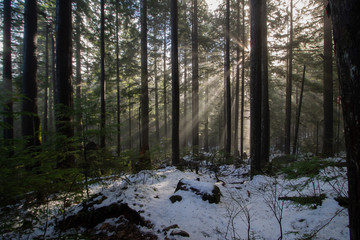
89	218
126	227
179	233
175	198
170	227
207	191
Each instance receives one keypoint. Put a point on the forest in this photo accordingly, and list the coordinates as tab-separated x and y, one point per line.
189	119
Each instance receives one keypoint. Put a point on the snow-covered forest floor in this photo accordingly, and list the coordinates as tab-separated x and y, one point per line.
248	208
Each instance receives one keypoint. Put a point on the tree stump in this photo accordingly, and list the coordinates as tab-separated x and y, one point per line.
208	192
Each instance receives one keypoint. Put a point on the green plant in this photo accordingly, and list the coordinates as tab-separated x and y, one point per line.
304	168
312	201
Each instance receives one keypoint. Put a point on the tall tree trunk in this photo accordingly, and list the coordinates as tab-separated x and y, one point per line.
29	120
139	127
7	77
297	124
227	80
242	82
144	97
130	137
157	119
63	87
237	84
255	86
328	89
206	127
53	83
346	32
46	90
175	83
265	112
195	81
78	70
102	80
289	87
118	149
339	118
186	122
165	87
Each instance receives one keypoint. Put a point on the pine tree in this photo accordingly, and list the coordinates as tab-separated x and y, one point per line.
78	79
102	79
242	82
46	90
328	88
265	111
227	80
7	75
255	86
195	80
144	98
118	149
237	83
175	83
289	86
345	17
29	120
63	81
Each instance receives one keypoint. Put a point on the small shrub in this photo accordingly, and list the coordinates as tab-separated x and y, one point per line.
304	168
312	201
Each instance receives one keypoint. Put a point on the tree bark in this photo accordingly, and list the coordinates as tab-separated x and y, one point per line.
64	92
7	77
78	70
297	124
130	134
328	89
118	82
265	111
175	84
46	90
242	82
227	80
144	97
195	82
102	79
63	87
206	127
157	119
289	87
346	32
165	87
186	118
255	86
29	120
53	83
237	84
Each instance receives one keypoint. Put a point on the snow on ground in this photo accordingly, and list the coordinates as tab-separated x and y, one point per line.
148	192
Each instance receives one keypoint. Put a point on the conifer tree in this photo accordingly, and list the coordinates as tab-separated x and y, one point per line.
175	83
255	86
102	79
63	80
30	121
328	88
7	75
345	17
144	97
195	80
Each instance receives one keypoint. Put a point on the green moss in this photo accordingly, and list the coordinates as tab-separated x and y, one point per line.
312	201
305	168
